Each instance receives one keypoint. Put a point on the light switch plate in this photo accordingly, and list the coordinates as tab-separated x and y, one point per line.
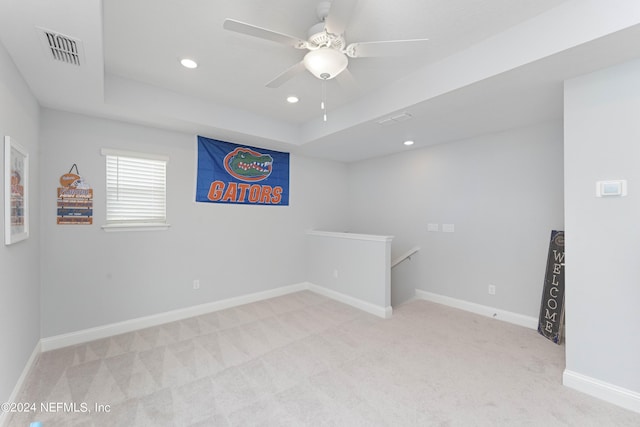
612	188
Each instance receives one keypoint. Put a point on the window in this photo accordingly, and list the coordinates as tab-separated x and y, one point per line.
136	190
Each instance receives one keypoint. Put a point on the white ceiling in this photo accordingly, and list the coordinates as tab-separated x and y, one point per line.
489	65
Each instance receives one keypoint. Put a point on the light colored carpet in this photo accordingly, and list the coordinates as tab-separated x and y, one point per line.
302	359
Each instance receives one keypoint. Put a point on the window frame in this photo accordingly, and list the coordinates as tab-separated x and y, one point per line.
135	225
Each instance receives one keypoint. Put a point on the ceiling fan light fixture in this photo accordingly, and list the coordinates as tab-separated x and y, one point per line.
325	63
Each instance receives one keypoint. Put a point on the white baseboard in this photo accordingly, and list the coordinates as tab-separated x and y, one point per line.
86	335
495	313
623	397
4	416
99	332
376	310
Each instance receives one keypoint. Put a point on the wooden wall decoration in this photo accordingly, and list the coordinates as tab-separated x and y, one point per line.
552	307
75	200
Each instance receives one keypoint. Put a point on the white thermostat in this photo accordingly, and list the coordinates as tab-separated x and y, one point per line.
615	188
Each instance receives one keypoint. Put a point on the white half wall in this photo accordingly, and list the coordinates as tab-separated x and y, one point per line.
602	134
355	266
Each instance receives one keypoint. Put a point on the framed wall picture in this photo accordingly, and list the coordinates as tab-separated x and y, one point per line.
16	192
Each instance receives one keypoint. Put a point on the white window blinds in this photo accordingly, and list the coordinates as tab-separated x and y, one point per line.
136	188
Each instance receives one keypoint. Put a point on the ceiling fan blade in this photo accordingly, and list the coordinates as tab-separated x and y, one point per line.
385	48
263	33
339	15
286	75
347	83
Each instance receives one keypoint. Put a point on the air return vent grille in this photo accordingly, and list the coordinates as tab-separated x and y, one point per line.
62	48
395	119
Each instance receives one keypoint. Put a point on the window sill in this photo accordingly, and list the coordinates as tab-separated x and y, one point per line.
135	227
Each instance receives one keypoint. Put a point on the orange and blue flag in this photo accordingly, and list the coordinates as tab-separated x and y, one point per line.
232	173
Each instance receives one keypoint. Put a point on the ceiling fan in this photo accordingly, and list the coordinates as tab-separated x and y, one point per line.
329	53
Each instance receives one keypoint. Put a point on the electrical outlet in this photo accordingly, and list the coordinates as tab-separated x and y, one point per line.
196	284
492	289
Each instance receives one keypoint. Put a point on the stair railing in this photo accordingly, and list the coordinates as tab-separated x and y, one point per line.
406	256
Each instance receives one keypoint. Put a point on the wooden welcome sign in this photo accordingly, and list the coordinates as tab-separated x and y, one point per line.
552	308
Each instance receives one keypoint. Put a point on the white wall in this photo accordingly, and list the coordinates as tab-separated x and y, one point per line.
19	263
602	141
92	278
357	266
503	193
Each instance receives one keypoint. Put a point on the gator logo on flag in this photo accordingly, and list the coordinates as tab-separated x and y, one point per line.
232	173
248	165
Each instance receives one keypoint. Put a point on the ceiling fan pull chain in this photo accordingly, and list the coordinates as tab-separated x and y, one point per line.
323	105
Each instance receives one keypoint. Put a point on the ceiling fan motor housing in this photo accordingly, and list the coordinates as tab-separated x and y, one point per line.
323	38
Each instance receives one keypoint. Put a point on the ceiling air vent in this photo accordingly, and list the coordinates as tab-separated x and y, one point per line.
62	48
394	119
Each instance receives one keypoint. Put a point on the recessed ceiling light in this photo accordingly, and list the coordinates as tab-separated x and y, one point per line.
292	99
189	63
408	143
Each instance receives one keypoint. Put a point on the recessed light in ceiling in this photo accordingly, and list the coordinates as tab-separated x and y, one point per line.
408	143
292	99
188	63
